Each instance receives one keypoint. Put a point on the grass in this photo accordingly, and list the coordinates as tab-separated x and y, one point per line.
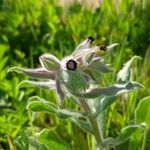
31	28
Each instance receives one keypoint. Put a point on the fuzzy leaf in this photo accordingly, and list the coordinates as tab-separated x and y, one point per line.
46	85
104	103
116	89
95	69
84	125
60	93
49	62
51	140
124	73
142	112
125	134
37	104
97	65
73	80
34	73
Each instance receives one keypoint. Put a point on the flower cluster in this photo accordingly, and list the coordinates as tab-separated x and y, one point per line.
75	73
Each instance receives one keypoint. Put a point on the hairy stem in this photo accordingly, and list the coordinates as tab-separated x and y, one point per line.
93	122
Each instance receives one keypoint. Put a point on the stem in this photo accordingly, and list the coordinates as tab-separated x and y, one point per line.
93	123
144	139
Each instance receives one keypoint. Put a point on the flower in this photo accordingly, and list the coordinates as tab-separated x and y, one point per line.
72	74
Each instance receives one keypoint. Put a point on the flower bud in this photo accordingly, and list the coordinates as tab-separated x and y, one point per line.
49	62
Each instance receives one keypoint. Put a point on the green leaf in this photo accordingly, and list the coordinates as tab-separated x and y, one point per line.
51	140
116	89
124	73
84	125
34	73
46	85
25	142
142	112
37	104
104	103
95	69
125	134
73	80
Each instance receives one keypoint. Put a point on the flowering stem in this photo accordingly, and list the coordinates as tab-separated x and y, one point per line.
93	122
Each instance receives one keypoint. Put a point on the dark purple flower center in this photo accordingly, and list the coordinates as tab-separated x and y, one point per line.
71	65
90	39
103	47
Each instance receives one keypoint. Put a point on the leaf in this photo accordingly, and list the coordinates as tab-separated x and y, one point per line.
95	69
37	104
116	89
125	134
60	92
142	112
26	142
49	62
46	85
73	80
51	140
104	103
124	73
34	73
84	125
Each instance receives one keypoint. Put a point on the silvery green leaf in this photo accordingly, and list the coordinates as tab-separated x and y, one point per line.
124	73
95	68
37	104
34	73
49	62
103	104
125	134
51	140
73	80
41	84
116	89
83	124
60	93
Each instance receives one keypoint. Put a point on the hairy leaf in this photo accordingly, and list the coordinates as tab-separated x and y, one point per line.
46	85
51	140
116	89
126	133
34	73
40	105
83	124
142	112
124	73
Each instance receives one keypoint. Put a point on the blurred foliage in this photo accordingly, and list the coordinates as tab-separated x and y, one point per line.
29	28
